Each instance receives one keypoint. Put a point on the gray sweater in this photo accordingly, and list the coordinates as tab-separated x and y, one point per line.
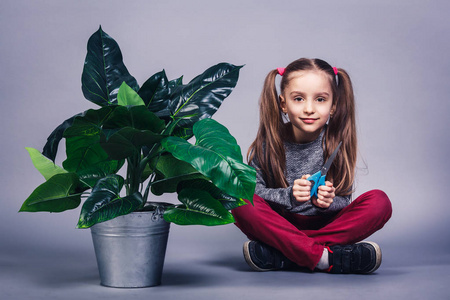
301	159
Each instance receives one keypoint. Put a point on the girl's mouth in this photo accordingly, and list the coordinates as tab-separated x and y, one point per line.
308	120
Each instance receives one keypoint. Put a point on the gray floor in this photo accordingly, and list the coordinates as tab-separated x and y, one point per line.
198	269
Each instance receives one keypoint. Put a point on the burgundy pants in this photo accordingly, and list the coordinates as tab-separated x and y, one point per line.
303	238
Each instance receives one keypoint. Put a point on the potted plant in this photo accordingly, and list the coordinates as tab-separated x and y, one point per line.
135	144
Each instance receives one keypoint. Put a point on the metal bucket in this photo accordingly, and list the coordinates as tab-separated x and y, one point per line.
130	249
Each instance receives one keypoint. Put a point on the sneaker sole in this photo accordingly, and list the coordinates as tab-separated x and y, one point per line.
378	256
249	260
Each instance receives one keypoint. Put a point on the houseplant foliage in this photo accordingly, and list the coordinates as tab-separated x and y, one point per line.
145	130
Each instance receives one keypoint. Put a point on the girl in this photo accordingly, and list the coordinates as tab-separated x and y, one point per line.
298	131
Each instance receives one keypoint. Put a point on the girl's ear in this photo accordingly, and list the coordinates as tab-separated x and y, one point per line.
333	109
283	104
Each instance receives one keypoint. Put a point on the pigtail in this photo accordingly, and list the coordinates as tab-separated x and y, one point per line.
268	148
342	127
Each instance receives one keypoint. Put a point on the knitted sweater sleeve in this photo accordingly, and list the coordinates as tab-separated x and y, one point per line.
281	196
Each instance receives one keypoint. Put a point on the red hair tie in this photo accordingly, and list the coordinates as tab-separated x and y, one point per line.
336	75
281	71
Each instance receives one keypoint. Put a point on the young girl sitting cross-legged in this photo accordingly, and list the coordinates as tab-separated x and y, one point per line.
298	131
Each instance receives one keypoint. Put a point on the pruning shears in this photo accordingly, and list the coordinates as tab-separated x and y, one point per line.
318	178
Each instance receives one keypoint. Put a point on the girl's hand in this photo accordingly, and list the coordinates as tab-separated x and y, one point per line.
302	189
325	195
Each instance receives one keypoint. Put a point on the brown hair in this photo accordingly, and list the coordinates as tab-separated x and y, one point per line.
268	147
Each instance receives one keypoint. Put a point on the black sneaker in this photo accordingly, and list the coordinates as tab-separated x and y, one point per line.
261	257
360	258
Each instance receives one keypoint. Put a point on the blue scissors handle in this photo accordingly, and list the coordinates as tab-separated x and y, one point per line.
317	179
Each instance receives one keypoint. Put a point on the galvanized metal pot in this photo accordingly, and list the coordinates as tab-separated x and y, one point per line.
130	249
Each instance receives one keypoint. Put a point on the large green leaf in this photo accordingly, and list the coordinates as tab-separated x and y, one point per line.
217	156
227	201
137	117
57	194
198	208
202	96
169	172
90	175
128	141
128	96
212	135
157	81
51	147
104	70
83	147
156	93
161	99
128	129
44	165
105	203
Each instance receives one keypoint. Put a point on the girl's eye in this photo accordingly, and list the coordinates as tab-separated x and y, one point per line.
298	99
320	99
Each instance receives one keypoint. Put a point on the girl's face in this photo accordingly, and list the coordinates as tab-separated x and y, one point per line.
308	101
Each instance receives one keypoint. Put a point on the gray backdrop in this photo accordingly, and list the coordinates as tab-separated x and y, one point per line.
397	54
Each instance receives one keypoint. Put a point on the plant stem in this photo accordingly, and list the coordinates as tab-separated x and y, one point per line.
133	173
147	189
144	161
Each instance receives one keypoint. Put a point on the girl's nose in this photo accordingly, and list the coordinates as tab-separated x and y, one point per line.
308	107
